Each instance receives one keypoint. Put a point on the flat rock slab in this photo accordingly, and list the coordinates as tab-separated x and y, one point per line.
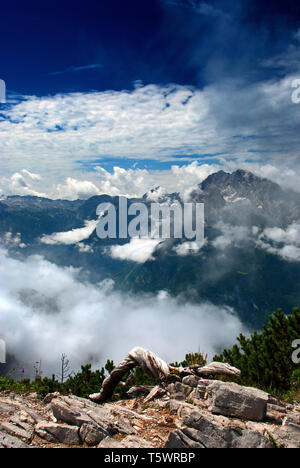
7	409
204	430
13	430
8	441
61	433
230	399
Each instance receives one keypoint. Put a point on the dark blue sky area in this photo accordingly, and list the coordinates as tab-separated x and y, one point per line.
49	47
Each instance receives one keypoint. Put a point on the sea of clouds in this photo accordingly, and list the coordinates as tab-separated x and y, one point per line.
46	311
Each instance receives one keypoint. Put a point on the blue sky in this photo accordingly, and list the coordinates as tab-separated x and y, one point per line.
49	47
143	86
70	35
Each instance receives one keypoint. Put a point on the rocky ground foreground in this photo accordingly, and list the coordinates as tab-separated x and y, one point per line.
194	413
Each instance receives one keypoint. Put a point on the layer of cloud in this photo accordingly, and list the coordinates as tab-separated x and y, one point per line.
46	311
228	121
126	182
74	236
137	182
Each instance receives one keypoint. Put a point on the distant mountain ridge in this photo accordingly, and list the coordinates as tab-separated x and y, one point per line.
233	269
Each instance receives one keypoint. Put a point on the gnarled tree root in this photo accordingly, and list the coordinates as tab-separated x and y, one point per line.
158	368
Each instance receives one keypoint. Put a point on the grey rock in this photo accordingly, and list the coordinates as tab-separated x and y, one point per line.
70	415
248	439
191	380
109	443
48	398
290	431
156	393
32	415
175	405
293	420
179	391
62	433
22	424
7	409
136	392
91	435
14	430
122	427
76	411
230	399
197	394
205	429
179	440
8	441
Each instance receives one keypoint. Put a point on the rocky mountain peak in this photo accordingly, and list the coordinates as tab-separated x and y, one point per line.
238	179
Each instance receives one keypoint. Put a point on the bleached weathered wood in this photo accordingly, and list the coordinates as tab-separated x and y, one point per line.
113	380
137	357
158	368
150	362
220	369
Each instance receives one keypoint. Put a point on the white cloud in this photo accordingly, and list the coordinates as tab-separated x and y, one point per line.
291	235
55	134
74	189
186	248
46	311
272	240
151	121
71	237
137	182
21	183
130	182
12	240
290	252
283	175
232	235
137	250
85	248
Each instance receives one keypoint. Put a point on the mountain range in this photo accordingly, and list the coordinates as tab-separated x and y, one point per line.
250	261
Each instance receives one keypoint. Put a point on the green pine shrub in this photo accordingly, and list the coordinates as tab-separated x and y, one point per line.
265	358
